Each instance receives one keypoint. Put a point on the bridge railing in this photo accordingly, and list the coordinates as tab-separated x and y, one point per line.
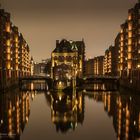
100	77
34	77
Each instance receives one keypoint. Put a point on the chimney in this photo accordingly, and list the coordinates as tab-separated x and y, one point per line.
57	43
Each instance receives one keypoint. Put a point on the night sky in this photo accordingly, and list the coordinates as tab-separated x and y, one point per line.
42	22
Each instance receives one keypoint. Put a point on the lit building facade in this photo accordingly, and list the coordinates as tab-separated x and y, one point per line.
24	58
89	67
48	67
69	55
11	56
117	51
110	61
123	59
123	50
32	66
129	50
40	69
15	53
5	50
94	66
98	65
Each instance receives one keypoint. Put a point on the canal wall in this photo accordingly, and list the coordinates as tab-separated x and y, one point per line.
130	84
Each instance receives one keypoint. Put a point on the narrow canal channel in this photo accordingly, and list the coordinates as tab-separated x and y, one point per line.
39	115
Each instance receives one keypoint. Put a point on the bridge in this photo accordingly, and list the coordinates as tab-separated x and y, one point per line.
91	83
102	78
39	79
100	83
33	78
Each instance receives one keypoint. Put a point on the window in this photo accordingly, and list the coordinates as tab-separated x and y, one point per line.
129	48
121	43
129	56
129	16
8	42
122	38
130	26
129	34
7	27
129	65
129	41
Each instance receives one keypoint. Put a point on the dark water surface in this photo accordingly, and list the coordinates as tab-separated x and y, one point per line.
59	116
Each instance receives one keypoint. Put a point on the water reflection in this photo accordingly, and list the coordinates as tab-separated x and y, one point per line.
34	86
101	86
68	111
14	113
125	111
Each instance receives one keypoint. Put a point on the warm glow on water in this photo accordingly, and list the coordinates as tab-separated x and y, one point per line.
96	123
83	115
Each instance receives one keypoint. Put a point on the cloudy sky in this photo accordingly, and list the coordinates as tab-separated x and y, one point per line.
42	22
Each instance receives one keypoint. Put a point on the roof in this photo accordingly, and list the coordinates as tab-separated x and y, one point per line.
63	46
69	46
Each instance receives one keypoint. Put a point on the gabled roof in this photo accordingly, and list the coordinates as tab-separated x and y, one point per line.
69	46
63	46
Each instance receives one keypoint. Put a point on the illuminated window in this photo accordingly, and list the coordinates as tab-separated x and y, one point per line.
129	56
129	34
8	66
16	39
129	41
129	16
121	43
8	42
121	54
121	60
16	56
8	50
16	50
129	65
8	27
129	48
121	67
121	49
130	26
8	57
121	37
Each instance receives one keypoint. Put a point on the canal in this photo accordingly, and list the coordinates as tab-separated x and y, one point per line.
39	115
